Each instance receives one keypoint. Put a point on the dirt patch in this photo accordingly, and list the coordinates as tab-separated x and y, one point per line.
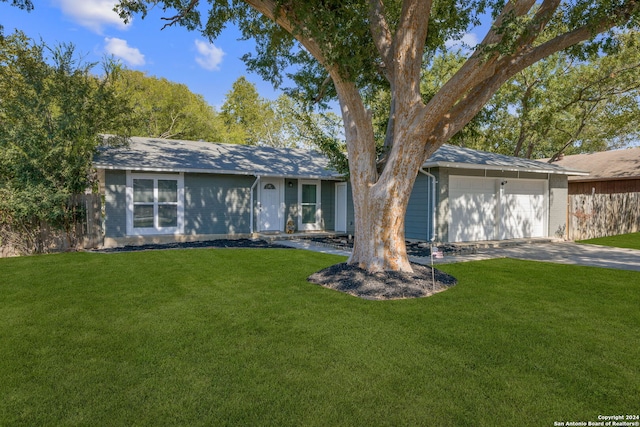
356	281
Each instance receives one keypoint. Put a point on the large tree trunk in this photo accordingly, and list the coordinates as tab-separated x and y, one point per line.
379	228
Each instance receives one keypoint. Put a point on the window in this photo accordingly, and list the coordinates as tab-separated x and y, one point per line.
309	214
309	203
155	204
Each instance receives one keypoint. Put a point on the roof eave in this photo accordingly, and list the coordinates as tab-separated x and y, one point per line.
610	178
215	172
503	168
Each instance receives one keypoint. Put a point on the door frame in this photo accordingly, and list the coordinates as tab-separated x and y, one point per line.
279	183
318	224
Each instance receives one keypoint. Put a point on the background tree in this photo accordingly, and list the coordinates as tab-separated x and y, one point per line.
285	122
562	105
346	48
164	109
52	110
245	113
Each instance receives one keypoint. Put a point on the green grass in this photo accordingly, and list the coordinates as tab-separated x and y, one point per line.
238	337
630	241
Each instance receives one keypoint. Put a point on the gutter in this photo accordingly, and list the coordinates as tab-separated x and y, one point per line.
505	168
168	169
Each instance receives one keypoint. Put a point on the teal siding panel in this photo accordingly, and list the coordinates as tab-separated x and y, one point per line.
351	227
115	203
328	204
291	201
418	219
217	204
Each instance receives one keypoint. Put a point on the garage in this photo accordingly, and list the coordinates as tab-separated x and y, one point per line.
496	209
523	209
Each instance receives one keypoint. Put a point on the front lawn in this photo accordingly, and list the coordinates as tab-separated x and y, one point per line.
238	337
630	241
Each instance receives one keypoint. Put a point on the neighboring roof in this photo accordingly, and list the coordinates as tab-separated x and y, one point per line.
605	165
458	157
169	155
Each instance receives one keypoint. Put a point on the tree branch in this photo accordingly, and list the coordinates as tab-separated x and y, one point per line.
508	67
181	14
381	36
269	9
479	66
408	48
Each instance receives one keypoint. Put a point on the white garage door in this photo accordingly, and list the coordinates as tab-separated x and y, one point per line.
472	204
492	209
523	209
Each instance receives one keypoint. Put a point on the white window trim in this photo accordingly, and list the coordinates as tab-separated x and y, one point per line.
318	224
179	229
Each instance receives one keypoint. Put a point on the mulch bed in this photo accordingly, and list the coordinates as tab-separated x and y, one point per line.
356	281
416	249
220	243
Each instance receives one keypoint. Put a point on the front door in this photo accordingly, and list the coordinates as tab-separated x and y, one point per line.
270	218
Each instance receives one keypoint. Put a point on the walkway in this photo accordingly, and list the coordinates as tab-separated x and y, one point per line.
561	252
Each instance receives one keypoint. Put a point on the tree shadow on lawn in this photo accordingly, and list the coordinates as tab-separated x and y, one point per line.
342	277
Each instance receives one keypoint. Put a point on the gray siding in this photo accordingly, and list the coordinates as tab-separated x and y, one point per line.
418	219
351	227
291	201
328	204
115	192
558	198
442	204
217	204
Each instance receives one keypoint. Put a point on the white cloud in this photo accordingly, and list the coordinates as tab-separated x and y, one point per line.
120	49
93	14
209	56
469	41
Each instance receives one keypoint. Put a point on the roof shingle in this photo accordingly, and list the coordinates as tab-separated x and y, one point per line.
620	164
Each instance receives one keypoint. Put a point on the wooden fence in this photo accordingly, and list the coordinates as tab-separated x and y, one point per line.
84	233
600	215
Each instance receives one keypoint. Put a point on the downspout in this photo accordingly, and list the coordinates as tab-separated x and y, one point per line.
433	203
253	186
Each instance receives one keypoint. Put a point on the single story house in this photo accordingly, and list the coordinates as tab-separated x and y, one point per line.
607	201
162	190
615	171
159	190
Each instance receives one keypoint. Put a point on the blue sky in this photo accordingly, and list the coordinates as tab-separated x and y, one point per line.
173	53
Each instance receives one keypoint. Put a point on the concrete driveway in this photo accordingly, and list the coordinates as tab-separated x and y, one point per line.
559	252
562	253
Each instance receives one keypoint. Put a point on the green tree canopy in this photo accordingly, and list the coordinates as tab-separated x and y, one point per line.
246	115
52	110
563	105
164	109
